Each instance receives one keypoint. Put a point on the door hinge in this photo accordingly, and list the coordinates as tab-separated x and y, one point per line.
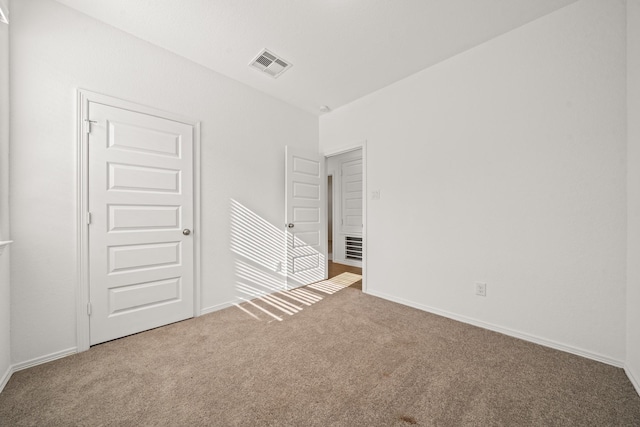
89	309
88	125
88	218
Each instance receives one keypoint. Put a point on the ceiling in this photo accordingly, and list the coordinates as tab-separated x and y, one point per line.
341	50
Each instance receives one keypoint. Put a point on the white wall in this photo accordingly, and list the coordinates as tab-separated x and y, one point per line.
5	302
506	164
633	192
56	50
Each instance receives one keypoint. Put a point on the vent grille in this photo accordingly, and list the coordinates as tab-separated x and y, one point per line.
270	64
353	248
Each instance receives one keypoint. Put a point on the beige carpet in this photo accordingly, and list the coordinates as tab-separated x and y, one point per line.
349	359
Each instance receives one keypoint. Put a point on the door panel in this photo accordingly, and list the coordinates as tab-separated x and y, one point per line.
129	136
140	178
306	215
140	199
306	263
136	257
128	298
306	238
138	217
305	211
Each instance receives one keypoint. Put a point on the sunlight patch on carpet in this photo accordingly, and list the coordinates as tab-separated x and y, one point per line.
337	283
278	305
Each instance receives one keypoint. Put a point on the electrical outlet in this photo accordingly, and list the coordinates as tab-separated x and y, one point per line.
481	289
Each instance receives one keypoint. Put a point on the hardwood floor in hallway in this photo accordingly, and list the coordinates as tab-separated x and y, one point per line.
336	269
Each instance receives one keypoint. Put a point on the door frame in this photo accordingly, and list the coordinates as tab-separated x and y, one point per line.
82	190
335	152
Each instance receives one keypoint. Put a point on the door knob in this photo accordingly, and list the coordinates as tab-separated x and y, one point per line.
290	225
186	231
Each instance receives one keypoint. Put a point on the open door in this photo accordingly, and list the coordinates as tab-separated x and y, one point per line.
305	225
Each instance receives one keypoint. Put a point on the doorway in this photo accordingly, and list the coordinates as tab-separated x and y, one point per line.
138	219
346	212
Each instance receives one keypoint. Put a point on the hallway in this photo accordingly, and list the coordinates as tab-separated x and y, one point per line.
336	269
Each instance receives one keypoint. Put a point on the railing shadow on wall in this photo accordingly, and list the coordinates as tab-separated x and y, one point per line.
307	262
261	285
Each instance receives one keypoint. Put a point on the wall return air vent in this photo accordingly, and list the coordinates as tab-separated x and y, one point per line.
353	248
270	63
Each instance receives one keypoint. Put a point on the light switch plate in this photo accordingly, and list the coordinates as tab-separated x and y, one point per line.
481	289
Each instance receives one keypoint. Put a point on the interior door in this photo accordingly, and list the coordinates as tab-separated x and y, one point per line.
141	216
305	217
351	187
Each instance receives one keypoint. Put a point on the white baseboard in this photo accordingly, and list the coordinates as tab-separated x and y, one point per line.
506	331
44	359
217	307
34	362
5	377
634	380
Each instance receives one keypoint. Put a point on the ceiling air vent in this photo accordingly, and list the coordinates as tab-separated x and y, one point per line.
270	64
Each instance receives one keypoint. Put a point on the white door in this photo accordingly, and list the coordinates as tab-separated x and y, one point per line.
305	212
351	196
141	217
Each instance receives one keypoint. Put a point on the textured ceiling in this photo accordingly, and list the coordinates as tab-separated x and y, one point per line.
341	50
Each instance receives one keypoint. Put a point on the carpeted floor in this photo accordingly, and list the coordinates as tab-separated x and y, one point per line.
349	359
